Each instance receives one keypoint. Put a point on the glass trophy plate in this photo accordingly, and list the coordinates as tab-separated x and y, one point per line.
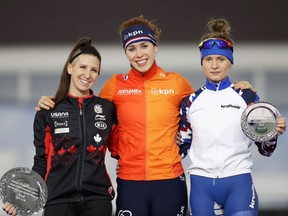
258	121
25	189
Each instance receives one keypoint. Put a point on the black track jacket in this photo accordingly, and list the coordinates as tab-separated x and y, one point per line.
71	142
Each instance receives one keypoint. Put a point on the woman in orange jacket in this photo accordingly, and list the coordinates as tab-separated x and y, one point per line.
151	179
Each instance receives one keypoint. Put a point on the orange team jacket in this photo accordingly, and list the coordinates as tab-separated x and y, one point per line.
148	116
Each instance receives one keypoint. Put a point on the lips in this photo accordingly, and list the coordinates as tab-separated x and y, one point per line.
141	62
215	72
84	81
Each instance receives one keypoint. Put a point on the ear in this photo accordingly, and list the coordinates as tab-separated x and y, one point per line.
69	68
156	50
231	65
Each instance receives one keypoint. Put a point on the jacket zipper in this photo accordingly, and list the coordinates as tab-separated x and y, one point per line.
216	122
146	151
81	150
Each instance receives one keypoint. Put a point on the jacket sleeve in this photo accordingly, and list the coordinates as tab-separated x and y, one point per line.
185	127
267	148
113	140
185	87
108	89
41	138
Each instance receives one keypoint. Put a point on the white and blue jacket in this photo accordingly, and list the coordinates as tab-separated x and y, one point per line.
212	115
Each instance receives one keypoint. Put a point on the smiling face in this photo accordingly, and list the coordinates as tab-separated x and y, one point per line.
216	67
84	71
141	55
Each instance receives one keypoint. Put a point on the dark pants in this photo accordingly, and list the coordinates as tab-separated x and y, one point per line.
85	208
153	198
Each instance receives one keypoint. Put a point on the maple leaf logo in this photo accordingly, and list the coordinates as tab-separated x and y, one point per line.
97	138
61	151
91	148
72	149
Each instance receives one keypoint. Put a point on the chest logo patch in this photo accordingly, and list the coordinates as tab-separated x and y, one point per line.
101	125
159	91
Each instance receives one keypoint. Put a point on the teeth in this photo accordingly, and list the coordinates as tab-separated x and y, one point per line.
84	81
141	62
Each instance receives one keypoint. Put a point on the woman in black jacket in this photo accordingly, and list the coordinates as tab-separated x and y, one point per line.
71	141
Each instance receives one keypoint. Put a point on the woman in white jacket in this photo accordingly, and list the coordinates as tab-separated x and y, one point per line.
221	160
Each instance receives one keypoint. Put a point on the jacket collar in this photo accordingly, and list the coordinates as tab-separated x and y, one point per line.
219	86
147	75
79	100
91	94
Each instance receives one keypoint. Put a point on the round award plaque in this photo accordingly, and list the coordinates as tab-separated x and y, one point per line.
25	189
258	121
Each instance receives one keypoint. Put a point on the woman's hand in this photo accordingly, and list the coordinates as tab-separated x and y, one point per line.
178	139
9	209
45	102
243	85
281	125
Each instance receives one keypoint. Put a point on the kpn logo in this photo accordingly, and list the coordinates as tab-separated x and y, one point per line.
159	91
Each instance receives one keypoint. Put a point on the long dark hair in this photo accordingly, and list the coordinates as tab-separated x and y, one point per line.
83	46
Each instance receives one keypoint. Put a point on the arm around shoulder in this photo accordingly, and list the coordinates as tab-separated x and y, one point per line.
108	89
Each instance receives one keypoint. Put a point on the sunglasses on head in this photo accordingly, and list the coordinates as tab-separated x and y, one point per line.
221	43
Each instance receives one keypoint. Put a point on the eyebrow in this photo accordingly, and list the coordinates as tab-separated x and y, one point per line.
140	43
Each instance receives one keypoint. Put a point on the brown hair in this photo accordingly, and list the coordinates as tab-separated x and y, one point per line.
140	20
82	46
218	28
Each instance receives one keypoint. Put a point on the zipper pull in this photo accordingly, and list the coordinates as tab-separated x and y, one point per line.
80	104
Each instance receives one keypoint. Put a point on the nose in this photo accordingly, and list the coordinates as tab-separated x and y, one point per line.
87	73
214	64
139	53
